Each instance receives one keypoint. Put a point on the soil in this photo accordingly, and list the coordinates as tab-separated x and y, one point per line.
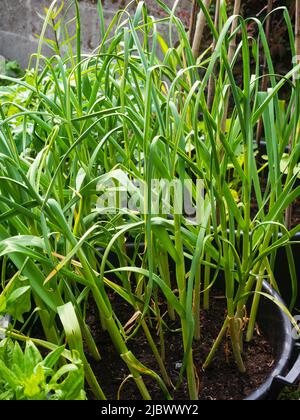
296	213
221	382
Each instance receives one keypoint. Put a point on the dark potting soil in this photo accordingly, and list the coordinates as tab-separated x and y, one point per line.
221	381
296	213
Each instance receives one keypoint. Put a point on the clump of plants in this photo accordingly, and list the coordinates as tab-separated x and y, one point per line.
27	376
96	131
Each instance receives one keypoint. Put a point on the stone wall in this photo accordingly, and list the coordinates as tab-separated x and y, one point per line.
20	23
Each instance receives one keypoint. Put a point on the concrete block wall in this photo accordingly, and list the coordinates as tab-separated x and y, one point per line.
20	24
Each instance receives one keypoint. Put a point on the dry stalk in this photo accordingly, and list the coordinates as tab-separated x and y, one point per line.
193	21
265	79
199	30
231	52
211	84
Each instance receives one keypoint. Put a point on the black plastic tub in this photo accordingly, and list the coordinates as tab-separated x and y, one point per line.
278	330
282	272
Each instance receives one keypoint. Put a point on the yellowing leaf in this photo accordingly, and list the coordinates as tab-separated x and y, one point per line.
235	196
163	44
32	385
